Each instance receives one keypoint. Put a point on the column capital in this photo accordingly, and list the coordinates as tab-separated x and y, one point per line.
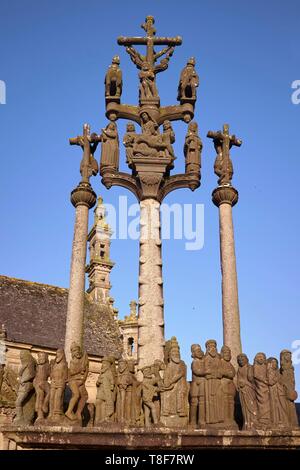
83	195
226	194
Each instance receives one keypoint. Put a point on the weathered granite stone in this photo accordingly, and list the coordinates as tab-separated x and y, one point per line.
41	386
25	403
78	371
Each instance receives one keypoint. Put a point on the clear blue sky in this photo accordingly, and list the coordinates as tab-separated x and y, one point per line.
53	59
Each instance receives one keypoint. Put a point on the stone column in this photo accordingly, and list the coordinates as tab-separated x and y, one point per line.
150	314
83	198
225	197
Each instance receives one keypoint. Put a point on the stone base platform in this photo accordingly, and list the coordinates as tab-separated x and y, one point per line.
115	437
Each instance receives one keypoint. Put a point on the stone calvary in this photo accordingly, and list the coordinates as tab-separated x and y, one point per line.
149	390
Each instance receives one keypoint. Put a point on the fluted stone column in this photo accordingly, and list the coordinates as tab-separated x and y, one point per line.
150	315
83	198
225	197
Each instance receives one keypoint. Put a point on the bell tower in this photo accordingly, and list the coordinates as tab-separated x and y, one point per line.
100	264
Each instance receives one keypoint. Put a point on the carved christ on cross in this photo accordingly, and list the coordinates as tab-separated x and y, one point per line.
223	142
149	41
88	142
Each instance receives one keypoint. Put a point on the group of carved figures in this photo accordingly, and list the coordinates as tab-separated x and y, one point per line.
150	143
265	392
44	384
161	395
188	82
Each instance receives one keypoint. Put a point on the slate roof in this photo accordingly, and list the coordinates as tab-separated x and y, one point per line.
35	313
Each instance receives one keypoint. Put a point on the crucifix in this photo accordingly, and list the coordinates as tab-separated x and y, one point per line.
88	142
149	41
223	142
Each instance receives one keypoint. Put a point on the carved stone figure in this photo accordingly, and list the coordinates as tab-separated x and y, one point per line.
150	41
214	414
88	142
41	385
262	390
128	141
228	387
9	386
150	388
278	402
188	82
150	143
288	382
25	403
148	88
124	393
105	400
246	388
110	148
58	377
78	372
192	149
113	79
158	369
148	124
223	142
197	388
174	390
136	394
168	137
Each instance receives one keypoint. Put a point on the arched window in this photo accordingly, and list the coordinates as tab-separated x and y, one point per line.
130	346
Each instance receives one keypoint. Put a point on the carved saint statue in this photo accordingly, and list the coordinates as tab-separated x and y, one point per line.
58	376
168	137
192	149
278	402
128	141
41	385
213	389
124	393
246	388
78	372
262	389
26	390
105	399
228	387
148	88
113	79
110	148
174	391
197	388
188	82
150	388
288	382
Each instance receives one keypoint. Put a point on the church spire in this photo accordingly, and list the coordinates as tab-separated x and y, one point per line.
100	264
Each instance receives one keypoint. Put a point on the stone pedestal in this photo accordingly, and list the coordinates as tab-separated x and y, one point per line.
83	198
117	438
225	197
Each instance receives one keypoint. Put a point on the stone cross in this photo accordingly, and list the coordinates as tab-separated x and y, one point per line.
88	142
225	196
149	41
83	198
223	142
